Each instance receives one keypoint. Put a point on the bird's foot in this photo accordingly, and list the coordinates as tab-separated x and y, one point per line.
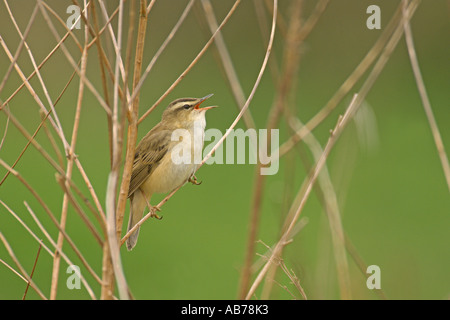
152	209
153	213
193	180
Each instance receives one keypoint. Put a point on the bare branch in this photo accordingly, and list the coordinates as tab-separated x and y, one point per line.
424	96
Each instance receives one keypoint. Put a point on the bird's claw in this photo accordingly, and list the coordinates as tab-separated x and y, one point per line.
153	213
193	180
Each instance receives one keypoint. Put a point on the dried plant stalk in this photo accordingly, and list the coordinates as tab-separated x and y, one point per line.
116	90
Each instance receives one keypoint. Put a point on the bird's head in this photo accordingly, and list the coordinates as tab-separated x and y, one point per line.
185	111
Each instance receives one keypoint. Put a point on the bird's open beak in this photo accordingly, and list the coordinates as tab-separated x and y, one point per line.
197	106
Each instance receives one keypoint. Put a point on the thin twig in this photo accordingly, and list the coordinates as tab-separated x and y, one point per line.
335	134
107	23
289	273
22	41
291	58
102	62
346	86
362	266
61	252
52	217
133	125
331	208
64	25
22	270
183	74
54	164
163	46
17	273
425	100
68	192
32	271
4	136
31	140
34	71
112	264
70	153
238	117
57	123
24	79
311	180
70	59
33	234
233	80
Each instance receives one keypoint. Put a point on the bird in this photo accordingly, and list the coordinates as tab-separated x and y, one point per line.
154	169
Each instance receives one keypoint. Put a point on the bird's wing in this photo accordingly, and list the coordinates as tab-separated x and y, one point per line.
148	154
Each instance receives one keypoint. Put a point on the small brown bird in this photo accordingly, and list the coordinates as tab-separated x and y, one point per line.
154	168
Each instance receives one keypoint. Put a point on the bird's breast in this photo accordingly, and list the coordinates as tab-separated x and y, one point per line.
171	172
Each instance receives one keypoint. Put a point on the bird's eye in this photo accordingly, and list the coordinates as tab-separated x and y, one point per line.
186	106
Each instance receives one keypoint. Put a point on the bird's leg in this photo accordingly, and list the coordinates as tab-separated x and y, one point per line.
153	210
193	180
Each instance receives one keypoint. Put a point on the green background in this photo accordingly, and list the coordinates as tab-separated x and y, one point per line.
392	193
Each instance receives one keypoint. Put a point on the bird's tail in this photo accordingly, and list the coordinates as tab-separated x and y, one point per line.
137	207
